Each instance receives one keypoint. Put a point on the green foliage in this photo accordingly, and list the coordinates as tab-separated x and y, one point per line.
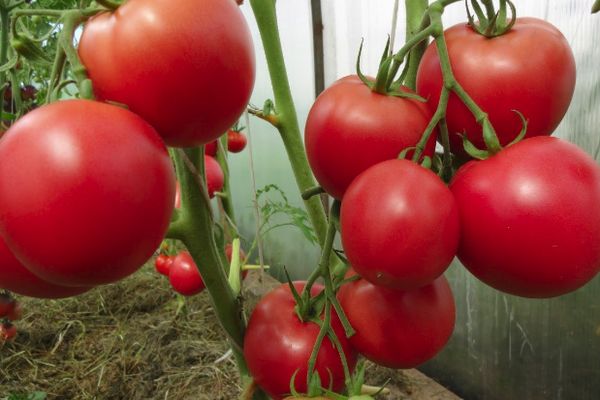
279	205
29	396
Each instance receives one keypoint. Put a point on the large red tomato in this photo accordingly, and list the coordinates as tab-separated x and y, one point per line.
399	225
86	192
277	345
18	279
350	128
530	69
187	68
530	218
399	329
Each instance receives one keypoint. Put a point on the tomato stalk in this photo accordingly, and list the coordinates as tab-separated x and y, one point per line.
415	9
4	44
110	4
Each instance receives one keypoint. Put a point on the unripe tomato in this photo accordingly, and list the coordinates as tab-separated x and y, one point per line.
184	275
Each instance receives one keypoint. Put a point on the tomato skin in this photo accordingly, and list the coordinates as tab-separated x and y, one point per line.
277	344
184	275
236	141
399	225
399	329
510	72
15	277
214	176
7	332
163	263
16	313
350	128
210	149
86	192
191	90
530	221
6	304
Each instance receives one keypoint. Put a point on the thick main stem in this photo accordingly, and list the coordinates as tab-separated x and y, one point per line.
4	30
415	9
288	127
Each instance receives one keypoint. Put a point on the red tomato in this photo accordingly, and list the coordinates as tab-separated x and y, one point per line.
530	221
163	263
399	225
14	276
184	275
214	176
7	332
6	304
350	128
399	329
86	192
236	141
277	344
16	313
210	149
530	69
189	68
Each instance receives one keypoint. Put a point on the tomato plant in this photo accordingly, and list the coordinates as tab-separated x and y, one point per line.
530	69
399	225
290	343
191	90
236	141
529	218
350	128
86	192
184	275
399	329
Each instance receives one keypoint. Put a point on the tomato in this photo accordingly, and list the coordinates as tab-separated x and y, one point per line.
14	276
188	70
7	332
399	329
184	275
214	176
277	344
6	304
530	69
236	141
163	263
399	225
210	149
16	313
350	128
529	217
86	192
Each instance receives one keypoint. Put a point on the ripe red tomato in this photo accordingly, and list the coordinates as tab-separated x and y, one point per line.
184	275
214	176
399	329
529	217
399	225
530	69
86	192
189	68
7	332
350	128
15	277
236	141
210	149
277	344
6	304
163	263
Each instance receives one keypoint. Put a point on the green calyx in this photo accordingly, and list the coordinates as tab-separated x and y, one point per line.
491	23
490	138
29	49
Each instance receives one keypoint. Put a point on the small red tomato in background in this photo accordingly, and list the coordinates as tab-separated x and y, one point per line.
214	175
236	141
163	263
399	225
190	68
530	69
278	345
399	329
530	218
184	275
7	332
351	128
210	149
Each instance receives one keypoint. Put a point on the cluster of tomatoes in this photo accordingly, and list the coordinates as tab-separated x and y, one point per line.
183	273
87	187
10	310
525	220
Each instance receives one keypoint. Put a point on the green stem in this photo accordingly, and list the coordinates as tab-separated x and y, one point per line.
415	9
399	57
325	326
288	127
110	4
71	20
60	58
4	45
196	231
489	9
227	200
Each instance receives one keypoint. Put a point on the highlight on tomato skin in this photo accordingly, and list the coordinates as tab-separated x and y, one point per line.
529	218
